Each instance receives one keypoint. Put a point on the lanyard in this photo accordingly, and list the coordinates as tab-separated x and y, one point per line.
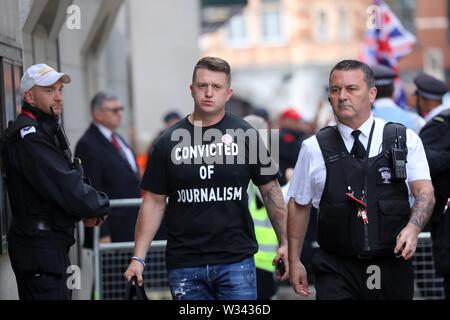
361	203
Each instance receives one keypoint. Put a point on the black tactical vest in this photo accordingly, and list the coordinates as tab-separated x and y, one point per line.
339	228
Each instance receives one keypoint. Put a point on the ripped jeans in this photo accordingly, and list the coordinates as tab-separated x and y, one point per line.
231	281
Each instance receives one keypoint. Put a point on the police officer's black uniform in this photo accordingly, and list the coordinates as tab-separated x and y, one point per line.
435	136
47	198
349	246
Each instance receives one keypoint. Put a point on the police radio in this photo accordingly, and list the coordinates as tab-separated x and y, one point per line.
398	155
65	148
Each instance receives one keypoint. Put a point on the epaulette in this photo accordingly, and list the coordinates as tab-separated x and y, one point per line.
439	119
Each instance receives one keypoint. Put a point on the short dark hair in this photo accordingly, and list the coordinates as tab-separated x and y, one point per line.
98	100
213	64
346	65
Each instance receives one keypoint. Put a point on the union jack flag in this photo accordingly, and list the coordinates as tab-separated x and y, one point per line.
386	43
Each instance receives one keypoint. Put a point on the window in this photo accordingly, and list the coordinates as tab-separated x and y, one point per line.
344	25
10	107
271	26
237	30
322	26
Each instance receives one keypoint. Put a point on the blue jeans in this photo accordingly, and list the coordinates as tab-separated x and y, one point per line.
232	281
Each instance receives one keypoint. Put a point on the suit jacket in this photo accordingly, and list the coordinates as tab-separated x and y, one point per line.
111	173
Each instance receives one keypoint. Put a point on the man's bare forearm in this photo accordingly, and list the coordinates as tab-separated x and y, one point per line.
148	222
298	220
276	209
422	209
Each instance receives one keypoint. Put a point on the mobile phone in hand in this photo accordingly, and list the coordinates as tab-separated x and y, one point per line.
280	267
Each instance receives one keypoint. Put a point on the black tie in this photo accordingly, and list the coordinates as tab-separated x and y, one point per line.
358	151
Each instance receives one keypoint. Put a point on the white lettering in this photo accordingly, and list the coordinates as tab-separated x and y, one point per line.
229	193
178	154
192	310
204	195
196	194
210	194
219	198
212	150
210	171
202	172
189	195
185	153
238	193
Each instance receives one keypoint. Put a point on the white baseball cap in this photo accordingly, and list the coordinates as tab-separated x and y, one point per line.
41	75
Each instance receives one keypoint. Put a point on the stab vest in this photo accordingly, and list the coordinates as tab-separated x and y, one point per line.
339	228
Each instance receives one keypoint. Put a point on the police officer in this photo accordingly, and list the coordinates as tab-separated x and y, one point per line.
435	136
47	193
384	106
355	173
429	95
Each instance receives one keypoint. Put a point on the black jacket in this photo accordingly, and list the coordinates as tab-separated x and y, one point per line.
112	174
435	136
43	189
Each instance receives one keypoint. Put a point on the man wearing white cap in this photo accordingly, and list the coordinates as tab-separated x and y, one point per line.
47	194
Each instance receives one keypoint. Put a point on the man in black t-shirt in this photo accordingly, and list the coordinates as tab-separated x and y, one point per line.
203	165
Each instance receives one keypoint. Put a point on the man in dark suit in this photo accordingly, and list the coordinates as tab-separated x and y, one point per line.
111	166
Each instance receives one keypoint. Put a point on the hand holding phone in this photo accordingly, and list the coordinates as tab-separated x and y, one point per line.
280	267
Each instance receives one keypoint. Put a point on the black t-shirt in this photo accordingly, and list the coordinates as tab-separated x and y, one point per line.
205	172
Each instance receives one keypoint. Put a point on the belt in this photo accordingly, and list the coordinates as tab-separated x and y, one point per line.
359	256
36	224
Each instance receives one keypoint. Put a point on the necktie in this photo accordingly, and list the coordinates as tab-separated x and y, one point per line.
117	146
358	151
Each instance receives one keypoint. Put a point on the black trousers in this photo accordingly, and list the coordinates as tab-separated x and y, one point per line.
35	285
353	278
41	274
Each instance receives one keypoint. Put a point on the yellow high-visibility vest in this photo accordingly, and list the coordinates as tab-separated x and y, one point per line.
265	235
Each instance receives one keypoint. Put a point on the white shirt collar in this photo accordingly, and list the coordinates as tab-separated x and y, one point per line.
105	131
346	132
384	103
435	112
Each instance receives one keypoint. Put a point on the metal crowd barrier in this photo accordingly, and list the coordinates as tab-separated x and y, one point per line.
427	284
112	259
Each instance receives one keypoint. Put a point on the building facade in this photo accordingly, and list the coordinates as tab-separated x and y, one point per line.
134	49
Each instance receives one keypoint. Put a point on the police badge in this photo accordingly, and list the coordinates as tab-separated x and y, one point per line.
384	176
